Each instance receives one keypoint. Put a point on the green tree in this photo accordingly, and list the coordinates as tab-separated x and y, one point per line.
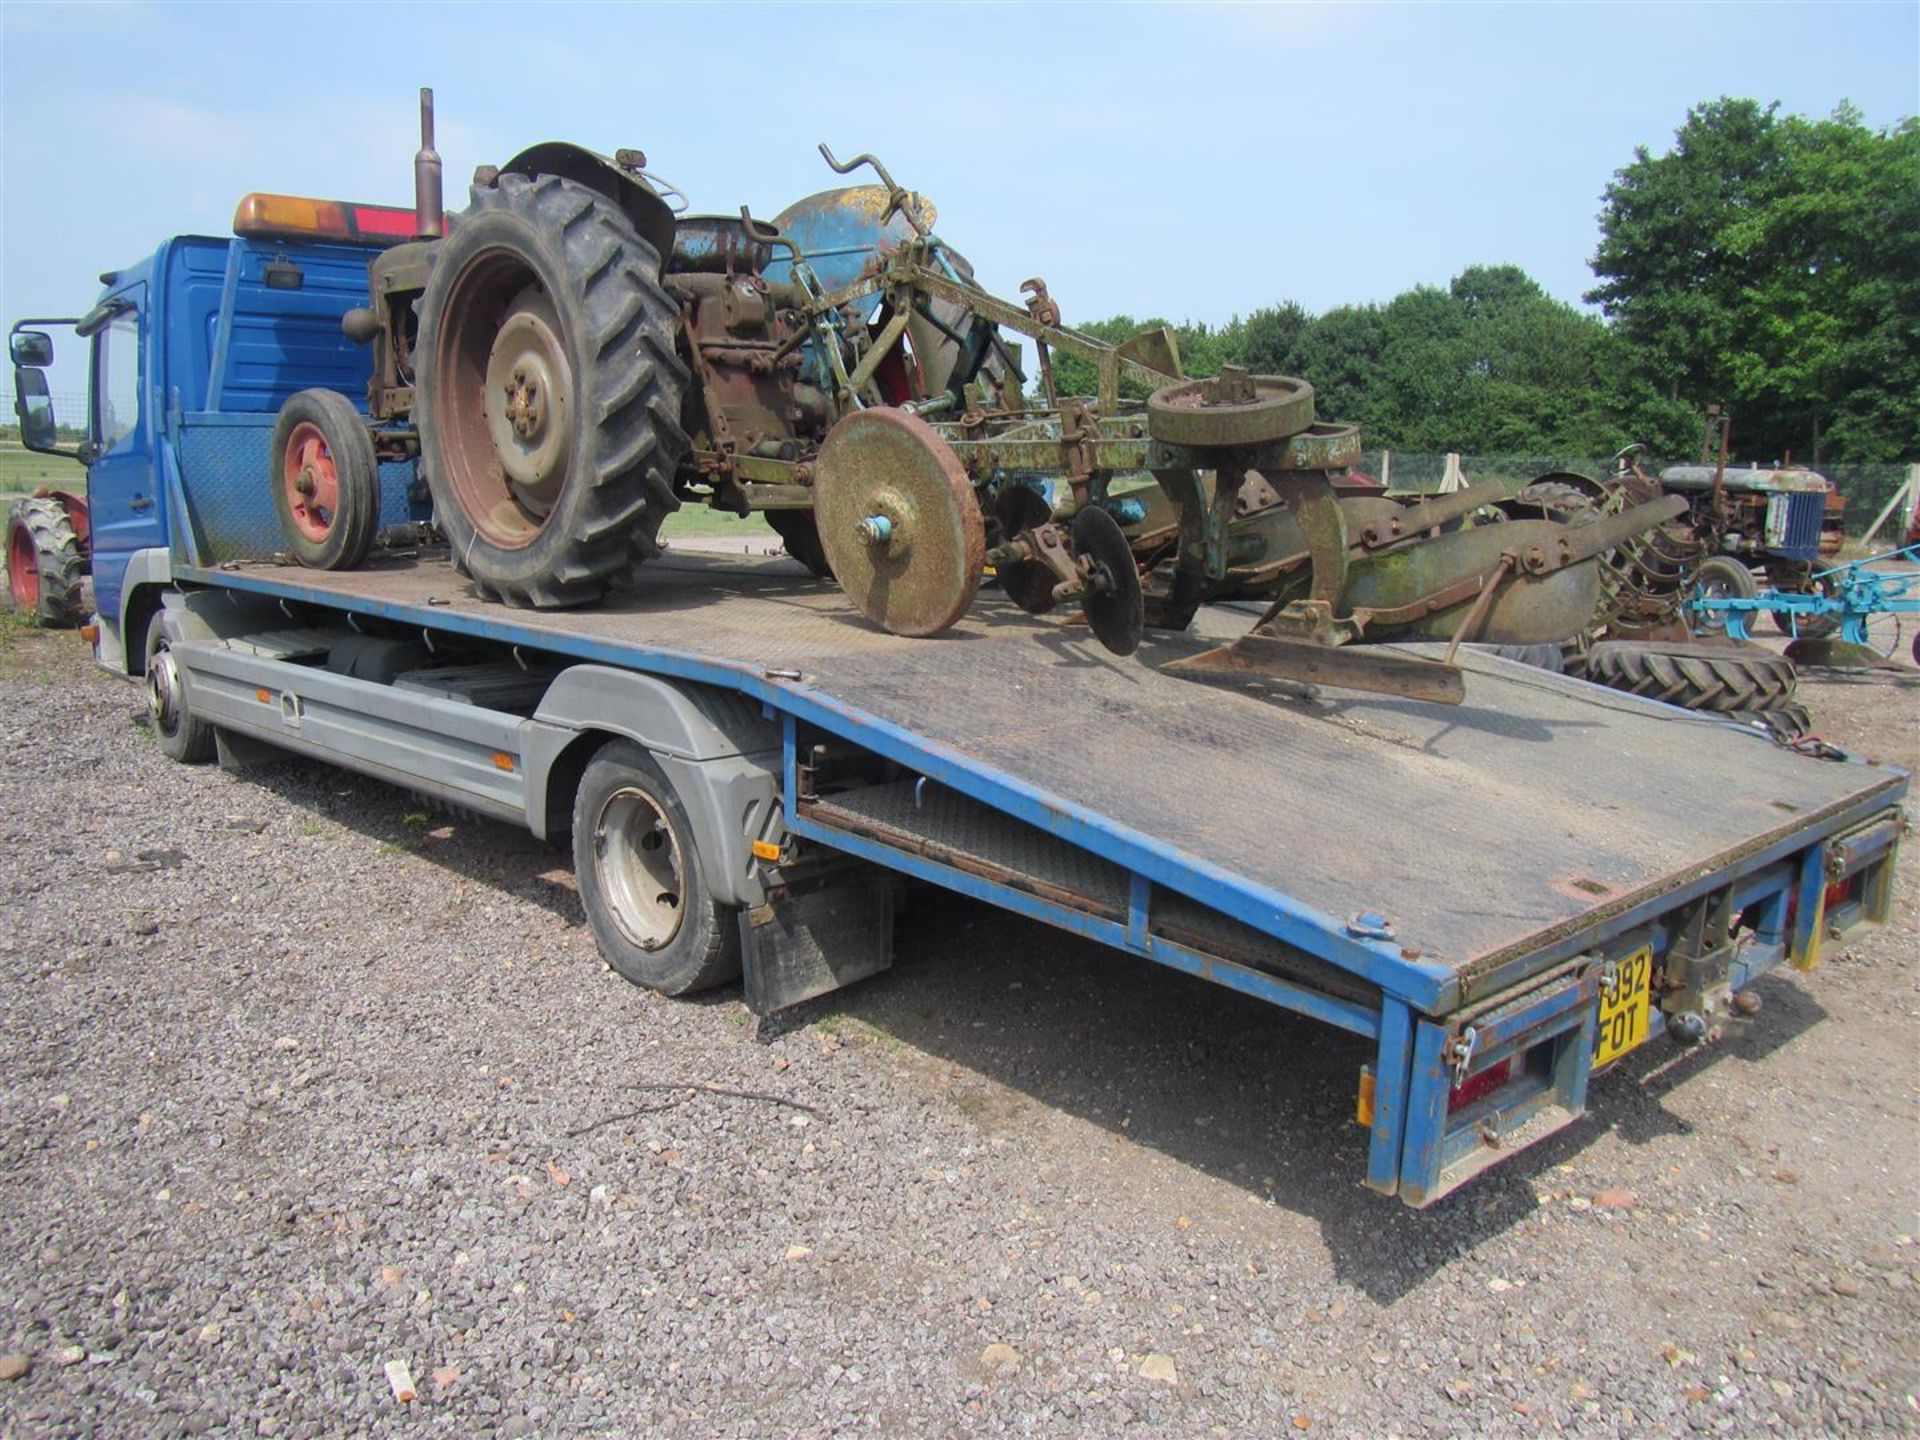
1772	263
1272	338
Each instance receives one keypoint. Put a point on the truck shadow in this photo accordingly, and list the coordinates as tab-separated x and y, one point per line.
1251	1096
503	857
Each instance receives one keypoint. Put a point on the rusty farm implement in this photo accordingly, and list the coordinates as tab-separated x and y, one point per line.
571	360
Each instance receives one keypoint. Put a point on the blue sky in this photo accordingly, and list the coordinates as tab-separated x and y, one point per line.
1193	162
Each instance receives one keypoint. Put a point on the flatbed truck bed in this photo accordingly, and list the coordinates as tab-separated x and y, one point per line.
1459	884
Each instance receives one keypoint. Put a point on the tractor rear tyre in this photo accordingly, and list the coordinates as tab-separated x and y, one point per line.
800	533
641	880
1720	577
1695	677
326	480
182	736
548	392
44	564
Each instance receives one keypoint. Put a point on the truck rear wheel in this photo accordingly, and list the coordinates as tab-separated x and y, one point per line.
326	480
44	564
548	394
181	735
641	882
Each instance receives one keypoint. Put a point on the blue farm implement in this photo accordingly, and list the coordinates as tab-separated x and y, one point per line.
1831	622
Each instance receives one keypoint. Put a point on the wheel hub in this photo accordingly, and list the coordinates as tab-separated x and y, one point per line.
529	401
640	867
313	480
163	690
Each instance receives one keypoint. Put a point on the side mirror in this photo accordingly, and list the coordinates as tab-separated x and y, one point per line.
31	348
39	428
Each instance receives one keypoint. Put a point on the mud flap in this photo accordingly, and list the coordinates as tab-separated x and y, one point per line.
800	946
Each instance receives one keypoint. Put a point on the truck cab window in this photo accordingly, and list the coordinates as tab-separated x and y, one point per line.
116	379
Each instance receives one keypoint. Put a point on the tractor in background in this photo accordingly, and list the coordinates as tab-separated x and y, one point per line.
49	557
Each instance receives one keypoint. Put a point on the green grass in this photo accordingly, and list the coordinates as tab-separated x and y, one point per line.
22	472
691	519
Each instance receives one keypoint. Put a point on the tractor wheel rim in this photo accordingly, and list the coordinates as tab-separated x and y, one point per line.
23	569
1712	590
312	481
496	311
529	402
641	876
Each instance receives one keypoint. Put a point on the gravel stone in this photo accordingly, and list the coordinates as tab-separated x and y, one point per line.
316	1119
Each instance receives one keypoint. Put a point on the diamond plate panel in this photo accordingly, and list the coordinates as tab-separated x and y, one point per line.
224	470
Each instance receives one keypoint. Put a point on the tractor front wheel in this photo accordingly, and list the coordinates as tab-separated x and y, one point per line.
326	480
548	395
800	534
44	563
1720	577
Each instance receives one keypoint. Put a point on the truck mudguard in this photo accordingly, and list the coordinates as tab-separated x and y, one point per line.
720	752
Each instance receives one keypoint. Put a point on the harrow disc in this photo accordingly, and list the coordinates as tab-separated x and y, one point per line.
898	521
1028	583
1112	603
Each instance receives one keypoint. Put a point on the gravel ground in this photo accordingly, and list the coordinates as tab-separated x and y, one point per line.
300	1083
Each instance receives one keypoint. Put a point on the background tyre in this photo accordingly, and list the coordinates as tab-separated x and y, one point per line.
548	395
1789	722
1695	677
641	879
1540	657
44	563
326	480
181	735
1720	577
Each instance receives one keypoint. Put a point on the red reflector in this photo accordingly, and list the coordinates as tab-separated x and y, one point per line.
1475	1086
1840	892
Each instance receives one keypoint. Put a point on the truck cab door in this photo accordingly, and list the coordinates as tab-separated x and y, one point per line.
123	476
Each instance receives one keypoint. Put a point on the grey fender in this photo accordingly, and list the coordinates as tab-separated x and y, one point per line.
203	615
149	573
720	753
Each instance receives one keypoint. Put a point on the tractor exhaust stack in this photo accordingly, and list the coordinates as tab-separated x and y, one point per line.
430	217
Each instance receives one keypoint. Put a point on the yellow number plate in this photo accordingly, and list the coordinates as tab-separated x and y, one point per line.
1624	1009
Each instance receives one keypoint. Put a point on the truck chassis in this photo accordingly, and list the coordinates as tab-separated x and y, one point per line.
1442	882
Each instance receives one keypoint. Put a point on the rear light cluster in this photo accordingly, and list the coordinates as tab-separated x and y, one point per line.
296	217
